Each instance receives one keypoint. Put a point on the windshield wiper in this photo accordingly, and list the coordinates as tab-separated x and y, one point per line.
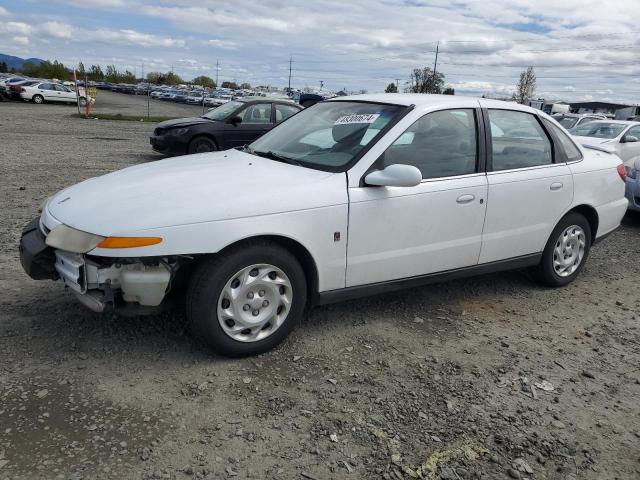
276	156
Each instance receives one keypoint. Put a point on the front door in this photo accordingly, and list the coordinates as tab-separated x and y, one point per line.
400	232
257	119
528	192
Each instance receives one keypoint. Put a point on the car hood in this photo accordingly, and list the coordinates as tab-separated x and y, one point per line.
193	189
182	122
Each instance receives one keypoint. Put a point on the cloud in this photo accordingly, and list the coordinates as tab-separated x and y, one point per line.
358	44
223	44
20	40
4	12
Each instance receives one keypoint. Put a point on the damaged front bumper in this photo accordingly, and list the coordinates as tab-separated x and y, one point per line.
97	282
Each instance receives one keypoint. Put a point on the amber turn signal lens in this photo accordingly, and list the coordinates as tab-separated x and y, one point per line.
128	242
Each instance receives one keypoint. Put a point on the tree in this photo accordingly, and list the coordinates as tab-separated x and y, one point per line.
95	73
245	86
449	91
424	81
111	75
3	67
204	81
391	88
231	85
81	70
526	87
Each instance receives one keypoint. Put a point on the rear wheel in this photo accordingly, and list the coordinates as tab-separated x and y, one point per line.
566	252
247	300
202	145
39	99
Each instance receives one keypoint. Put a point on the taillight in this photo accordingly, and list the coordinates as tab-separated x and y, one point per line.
622	172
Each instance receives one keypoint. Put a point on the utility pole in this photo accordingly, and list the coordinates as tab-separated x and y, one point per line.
435	64
217	70
142	74
290	61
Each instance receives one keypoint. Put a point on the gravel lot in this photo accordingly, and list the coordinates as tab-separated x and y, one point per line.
110	102
446	381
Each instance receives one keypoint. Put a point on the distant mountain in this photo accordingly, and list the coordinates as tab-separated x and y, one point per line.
17	62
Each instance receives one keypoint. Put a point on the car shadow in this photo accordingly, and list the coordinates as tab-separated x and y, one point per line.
632	220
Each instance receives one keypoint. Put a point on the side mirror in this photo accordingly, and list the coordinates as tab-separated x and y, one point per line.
629	139
396	175
235	120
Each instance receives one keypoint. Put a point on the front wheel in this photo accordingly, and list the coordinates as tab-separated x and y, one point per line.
202	145
566	252
39	99
247	300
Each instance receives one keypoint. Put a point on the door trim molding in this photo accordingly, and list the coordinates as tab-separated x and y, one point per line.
348	293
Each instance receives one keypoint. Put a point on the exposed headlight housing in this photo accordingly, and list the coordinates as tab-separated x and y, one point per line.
72	240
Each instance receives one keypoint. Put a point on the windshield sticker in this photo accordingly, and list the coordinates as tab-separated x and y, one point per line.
357	118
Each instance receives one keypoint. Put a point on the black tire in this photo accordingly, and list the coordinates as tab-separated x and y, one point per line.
545	273
211	277
39	99
202	144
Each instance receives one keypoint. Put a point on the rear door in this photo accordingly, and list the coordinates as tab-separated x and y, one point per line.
530	185
257	119
64	94
48	92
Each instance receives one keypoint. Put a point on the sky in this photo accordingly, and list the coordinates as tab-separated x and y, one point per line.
580	49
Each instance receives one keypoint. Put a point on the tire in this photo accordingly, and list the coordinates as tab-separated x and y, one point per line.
38	99
566	252
202	145
258	285
82	101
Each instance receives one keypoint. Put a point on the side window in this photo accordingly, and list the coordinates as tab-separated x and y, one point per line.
634	132
284	111
257	113
60	88
570	149
45	86
440	144
518	140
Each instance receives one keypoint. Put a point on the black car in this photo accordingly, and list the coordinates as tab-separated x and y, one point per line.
233	124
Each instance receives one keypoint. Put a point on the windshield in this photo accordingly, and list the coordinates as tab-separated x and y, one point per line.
567	122
223	111
327	135
599	130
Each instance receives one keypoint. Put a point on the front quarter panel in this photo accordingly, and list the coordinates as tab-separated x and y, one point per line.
321	229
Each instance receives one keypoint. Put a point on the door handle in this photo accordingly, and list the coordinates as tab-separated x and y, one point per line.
462	199
556	186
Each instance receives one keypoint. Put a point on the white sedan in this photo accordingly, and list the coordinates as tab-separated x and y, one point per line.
354	196
50	92
621	137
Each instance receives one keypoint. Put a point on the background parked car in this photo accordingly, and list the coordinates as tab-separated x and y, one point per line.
571	120
233	124
632	191
618	136
42	92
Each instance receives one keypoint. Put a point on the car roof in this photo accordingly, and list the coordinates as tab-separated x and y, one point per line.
428	100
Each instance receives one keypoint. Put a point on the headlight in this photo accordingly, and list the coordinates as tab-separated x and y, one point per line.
179	131
72	240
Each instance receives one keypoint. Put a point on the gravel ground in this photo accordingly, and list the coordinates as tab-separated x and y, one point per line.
110	102
448	381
